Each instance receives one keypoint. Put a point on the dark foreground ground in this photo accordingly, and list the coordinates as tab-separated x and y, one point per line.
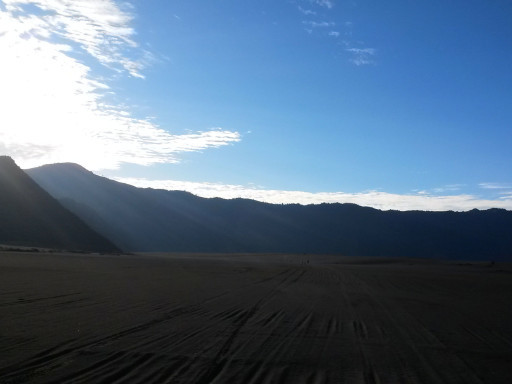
252	319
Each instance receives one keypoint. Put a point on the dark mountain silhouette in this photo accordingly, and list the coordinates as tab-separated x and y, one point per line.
156	220
29	216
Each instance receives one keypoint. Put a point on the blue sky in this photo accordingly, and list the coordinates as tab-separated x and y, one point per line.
396	105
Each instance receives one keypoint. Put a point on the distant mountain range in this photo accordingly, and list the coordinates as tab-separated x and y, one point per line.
138	219
29	216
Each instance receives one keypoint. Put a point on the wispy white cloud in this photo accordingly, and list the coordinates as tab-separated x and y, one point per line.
323	3
307	12
100	27
362	56
54	107
448	188
319	24
376	199
357	55
506	195
495	186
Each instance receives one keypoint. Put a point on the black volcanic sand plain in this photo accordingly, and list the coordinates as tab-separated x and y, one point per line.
252	319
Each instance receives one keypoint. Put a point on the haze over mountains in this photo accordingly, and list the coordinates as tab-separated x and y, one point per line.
30	216
137	219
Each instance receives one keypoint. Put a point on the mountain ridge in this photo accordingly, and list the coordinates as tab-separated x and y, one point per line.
32	217
145	219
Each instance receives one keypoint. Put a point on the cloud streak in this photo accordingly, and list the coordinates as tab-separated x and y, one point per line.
357	55
99	27
362	56
495	186
54	107
375	199
323	3
319	24
506	195
307	12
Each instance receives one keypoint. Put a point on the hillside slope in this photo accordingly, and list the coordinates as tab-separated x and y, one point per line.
31	217
156	220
